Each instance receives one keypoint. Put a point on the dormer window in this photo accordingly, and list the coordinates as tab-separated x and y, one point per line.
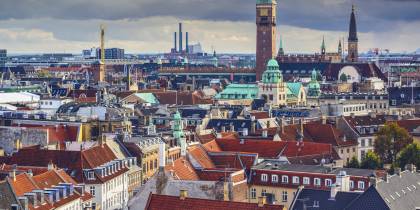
328	182
361	185
295	180
285	179
90	175
274	178
264	177
317	182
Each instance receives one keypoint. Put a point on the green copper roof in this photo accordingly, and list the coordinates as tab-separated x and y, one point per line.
272	74
266	2
239	91
177	115
148	98
294	88
272	63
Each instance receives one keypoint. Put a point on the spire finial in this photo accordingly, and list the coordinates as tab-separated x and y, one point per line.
353	7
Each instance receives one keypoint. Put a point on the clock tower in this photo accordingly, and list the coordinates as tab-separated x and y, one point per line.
353	40
266	34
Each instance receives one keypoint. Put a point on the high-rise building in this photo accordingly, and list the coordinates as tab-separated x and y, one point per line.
3	58
266	34
353	40
111	53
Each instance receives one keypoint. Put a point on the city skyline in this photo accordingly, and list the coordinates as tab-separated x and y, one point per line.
226	26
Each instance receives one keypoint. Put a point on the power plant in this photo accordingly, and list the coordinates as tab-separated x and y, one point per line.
179	48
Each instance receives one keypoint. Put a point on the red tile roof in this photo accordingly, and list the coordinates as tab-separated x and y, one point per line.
273	149
200	155
163	202
238	160
182	170
259	114
409	125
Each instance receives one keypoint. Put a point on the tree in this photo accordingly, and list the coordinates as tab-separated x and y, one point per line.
409	155
390	140
343	78
371	161
354	163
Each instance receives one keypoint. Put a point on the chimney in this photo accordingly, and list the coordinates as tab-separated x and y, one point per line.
333	192
175	43
398	171
24	202
40	196
50	166
180	37
223	129
183	194
324	119
245	132
282	122
301	125
186	43
265	133
262	201
411	167
373	181
30	173
13	173
253	127
386	178
162	155
32	199
342	181
232	127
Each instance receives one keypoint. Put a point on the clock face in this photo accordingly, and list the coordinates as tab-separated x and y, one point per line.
264	12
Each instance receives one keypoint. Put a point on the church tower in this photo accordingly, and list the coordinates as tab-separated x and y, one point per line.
266	34
272	88
353	40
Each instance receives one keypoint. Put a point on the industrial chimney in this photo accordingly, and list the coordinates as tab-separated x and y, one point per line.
186	43
175	44
180	37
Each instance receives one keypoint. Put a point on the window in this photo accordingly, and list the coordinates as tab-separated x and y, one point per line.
274	178
361	185
90	175
92	190
285	179
317	182
253	193
264	177
263	192
351	184
362	143
284	196
306	181
328	182
295	180
370	142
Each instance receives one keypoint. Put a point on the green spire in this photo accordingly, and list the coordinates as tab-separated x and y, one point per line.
281	50
314	75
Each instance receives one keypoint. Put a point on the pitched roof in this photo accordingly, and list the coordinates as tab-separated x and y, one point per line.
182	169
200	155
163	202
309	196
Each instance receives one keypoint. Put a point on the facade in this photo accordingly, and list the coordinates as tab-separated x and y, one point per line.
279	182
276	92
266	34
314	88
362	128
344	109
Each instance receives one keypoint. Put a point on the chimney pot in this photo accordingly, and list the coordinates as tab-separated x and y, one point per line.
262	201
183	194
398	171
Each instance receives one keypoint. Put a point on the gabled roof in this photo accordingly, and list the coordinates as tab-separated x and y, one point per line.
182	169
323	197
198	154
166	202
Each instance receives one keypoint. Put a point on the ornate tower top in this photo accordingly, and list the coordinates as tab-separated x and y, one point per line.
323	50
281	50
266	1
272	75
353	26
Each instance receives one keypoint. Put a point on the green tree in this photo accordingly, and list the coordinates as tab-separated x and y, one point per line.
409	155
390	140
343	78
371	161
354	163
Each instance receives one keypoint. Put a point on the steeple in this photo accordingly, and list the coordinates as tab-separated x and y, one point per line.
353	26
281	50
340	48
323	50
353	45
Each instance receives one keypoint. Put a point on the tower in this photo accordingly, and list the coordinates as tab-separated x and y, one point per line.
314	88
178	132
281	50
340	48
180	38
272	88
266	34
352	39
323	50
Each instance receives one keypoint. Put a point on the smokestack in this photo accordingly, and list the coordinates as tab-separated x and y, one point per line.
180	37
186	43
175	44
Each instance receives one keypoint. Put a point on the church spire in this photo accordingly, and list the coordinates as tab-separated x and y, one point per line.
340	47
323	50
281	50
353	26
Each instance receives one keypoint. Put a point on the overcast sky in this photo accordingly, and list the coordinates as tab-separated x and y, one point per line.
147	26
